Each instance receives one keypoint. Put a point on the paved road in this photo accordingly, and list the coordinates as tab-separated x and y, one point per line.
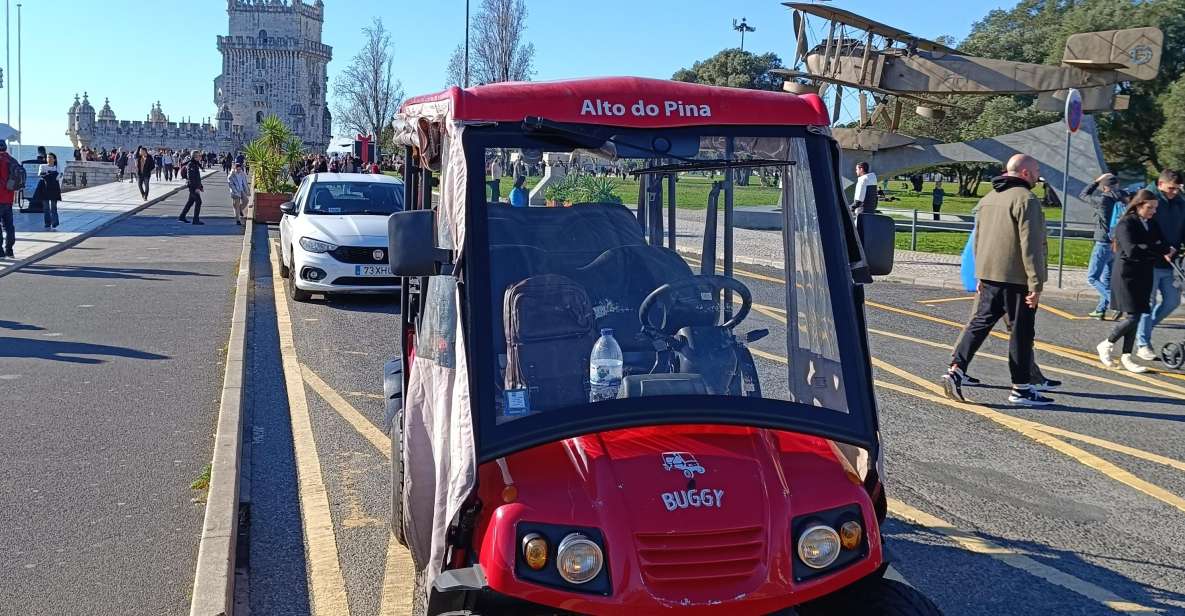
1075	508
110	372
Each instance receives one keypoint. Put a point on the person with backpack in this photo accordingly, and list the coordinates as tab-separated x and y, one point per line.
12	178
192	173
1139	246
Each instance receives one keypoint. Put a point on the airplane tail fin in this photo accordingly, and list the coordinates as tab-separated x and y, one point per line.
1134	52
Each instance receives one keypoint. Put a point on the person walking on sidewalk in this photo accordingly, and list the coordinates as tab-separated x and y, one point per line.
192	174
144	166
167	159
49	190
1140	246
1170	217
1010	263
1103	193
121	164
237	181
157	159
7	226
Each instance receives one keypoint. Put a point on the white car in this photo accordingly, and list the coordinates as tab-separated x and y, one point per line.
333	235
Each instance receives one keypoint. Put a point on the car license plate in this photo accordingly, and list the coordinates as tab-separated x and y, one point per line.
372	270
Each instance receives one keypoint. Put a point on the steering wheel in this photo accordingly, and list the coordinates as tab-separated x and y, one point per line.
687	292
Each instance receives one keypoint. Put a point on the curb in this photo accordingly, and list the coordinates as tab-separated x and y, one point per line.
74	241
213	584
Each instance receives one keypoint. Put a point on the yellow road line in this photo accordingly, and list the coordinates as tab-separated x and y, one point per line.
1062	313
1033	431
1061	351
347	411
399	574
1098	442
326	583
1055	370
943	300
974	543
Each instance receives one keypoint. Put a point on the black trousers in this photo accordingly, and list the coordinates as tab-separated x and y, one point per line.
143	184
1126	330
195	201
7	225
995	300
168	172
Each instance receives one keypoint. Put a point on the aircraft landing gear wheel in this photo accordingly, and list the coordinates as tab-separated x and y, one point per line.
875	596
1173	355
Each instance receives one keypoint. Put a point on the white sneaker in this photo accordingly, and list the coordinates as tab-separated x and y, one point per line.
1146	353
1130	365
1105	347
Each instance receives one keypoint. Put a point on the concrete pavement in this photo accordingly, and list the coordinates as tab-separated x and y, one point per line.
110	372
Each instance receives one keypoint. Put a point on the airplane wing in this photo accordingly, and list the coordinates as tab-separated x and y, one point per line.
868	25
791	74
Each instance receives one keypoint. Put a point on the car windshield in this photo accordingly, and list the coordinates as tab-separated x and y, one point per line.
338	198
595	300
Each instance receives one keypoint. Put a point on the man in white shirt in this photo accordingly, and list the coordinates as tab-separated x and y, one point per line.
865	179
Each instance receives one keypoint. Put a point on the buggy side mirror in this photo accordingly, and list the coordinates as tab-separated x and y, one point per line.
288	207
411	247
877	233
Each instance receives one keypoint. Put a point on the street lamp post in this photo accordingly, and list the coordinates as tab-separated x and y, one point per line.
742	27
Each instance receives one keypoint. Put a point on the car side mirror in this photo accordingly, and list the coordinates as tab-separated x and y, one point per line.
411	244
877	233
288	207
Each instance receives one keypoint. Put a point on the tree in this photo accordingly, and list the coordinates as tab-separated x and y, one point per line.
1170	138
367	95
498	51
736	69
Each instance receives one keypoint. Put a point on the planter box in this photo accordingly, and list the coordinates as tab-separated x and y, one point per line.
267	206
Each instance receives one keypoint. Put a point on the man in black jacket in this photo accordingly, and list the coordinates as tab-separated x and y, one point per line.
1170	217
1102	194
193	180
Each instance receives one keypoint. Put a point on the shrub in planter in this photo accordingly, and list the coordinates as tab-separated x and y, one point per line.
270	156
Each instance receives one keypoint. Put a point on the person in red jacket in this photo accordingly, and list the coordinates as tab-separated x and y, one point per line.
8	236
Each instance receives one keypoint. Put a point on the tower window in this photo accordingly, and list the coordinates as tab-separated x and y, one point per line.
258	117
259	63
262	36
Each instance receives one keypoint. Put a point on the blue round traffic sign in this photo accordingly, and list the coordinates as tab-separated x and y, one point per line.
1073	110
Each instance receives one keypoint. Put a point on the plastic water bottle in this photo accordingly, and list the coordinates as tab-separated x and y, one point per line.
605	367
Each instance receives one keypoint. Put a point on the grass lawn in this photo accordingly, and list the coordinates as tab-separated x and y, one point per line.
923	201
691	192
952	243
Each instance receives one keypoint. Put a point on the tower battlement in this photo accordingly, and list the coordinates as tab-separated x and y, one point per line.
315	10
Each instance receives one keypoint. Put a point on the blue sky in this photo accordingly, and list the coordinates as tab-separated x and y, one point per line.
137	52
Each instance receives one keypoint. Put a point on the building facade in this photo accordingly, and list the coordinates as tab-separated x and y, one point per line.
273	62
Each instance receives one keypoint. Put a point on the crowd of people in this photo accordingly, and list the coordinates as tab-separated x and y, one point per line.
1137	236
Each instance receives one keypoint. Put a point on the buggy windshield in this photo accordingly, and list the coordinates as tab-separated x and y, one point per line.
682	275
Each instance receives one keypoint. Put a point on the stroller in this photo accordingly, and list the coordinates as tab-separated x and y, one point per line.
1173	353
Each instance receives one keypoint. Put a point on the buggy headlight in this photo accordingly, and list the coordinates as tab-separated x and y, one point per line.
313	245
578	559
818	546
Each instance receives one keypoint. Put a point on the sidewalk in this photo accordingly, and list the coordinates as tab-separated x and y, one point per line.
81	213
930	269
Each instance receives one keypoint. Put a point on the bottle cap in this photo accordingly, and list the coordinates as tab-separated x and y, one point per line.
607	331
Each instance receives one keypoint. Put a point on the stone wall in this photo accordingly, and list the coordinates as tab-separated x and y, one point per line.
82	173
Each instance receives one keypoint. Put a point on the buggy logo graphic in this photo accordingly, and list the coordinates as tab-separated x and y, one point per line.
1140	54
378	255
681	461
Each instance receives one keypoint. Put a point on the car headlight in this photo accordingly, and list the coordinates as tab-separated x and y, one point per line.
818	546
313	245
579	559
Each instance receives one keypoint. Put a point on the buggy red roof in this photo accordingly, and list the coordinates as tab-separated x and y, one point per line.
624	101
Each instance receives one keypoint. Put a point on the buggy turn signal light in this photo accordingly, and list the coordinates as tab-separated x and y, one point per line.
850	534
535	551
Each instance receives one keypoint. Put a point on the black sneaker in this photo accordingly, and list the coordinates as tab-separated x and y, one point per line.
198	222
970	380
182	219
952	382
1047	385
1028	397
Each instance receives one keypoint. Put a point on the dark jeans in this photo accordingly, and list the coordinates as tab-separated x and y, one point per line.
143	184
168	172
195	201
1127	331
495	190
996	299
51	213
7	225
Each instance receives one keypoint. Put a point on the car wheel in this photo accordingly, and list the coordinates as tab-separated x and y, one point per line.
295	294
285	271
397	476
874	596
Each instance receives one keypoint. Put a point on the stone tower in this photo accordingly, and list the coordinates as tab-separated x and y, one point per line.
273	62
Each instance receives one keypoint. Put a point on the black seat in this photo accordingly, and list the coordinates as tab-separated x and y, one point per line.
618	280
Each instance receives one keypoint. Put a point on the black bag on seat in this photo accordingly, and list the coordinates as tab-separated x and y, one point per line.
550	331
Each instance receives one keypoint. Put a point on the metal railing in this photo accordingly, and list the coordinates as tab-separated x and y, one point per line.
913	223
